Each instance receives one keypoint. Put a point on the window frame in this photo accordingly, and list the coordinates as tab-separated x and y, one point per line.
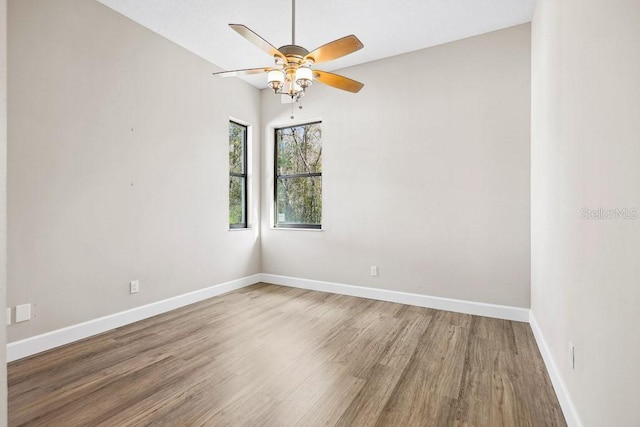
276	177
244	175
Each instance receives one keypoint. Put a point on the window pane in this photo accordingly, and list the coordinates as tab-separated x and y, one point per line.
299	149
299	201
237	138
236	200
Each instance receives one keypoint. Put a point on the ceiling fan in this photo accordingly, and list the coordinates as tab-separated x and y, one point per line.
293	70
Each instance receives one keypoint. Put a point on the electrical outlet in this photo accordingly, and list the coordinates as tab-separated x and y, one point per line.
23	312
374	270
572	355
134	286
8	316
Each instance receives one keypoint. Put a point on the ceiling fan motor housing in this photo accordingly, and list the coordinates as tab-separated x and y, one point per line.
294	53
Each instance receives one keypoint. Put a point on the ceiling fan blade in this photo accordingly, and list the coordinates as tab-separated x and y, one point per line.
336	49
337	81
245	72
254	38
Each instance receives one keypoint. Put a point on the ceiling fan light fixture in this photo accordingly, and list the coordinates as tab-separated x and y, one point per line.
275	79
294	89
304	77
293	72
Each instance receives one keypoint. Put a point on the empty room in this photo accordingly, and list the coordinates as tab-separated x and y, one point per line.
297	213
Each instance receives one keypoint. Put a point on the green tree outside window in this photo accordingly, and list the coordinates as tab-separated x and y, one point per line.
298	176
237	175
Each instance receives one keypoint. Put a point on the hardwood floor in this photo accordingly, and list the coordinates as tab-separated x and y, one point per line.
274	356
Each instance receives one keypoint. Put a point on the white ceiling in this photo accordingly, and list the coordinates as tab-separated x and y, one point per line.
386	27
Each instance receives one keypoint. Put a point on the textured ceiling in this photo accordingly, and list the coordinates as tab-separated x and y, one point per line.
386	27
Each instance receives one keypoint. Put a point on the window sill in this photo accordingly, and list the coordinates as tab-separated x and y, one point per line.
241	229
296	229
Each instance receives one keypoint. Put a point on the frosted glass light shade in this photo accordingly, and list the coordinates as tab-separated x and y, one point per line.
292	87
304	76
275	79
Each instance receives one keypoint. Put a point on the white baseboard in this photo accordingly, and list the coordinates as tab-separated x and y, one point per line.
33	345
460	306
39	343
568	409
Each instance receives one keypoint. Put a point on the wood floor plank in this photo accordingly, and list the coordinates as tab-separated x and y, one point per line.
328	407
431	381
274	356
366	407
368	404
399	353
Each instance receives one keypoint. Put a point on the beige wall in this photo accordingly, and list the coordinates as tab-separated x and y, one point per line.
3	208
426	174
118	166
585	153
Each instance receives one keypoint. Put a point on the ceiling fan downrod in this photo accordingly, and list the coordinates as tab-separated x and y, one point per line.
293	22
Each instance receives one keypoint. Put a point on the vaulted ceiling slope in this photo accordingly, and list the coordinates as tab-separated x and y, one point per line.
386	27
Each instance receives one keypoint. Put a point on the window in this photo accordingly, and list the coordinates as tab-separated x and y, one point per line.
237	175
298	176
